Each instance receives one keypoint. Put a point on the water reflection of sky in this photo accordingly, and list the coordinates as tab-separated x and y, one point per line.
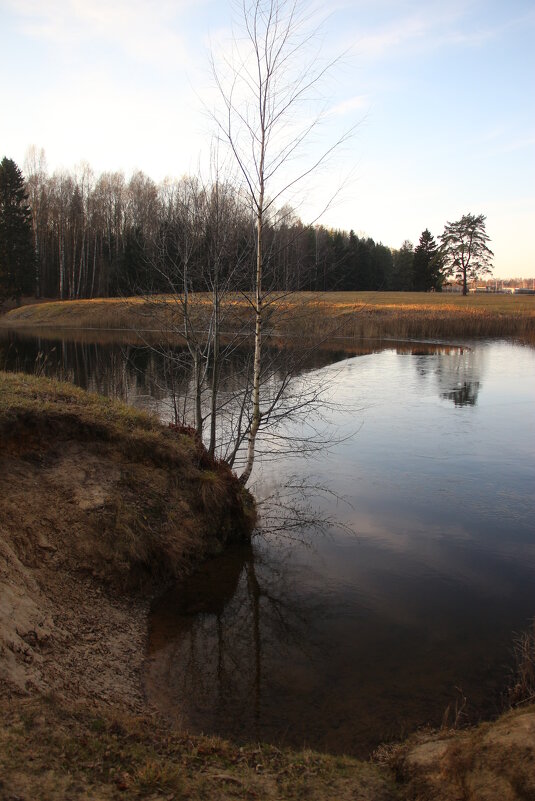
423	597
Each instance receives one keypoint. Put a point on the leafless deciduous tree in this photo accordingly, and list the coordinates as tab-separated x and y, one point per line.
264	85
197	261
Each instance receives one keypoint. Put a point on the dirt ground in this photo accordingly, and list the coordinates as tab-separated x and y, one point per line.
99	506
60	630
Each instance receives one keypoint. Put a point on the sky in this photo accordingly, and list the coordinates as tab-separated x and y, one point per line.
439	98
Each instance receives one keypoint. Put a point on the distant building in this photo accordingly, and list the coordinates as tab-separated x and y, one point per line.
523	286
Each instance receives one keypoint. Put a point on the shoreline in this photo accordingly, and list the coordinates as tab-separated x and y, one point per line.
308	317
102	507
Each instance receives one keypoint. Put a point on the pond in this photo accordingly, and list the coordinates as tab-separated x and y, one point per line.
402	613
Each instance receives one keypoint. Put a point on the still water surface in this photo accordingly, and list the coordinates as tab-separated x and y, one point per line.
342	640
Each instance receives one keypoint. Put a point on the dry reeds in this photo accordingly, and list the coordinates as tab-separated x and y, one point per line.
522	689
438	321
316	316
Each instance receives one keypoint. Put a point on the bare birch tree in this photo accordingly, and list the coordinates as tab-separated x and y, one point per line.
35	169
264	86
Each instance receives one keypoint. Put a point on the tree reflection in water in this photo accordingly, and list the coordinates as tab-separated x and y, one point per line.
235	632
463	395
458	372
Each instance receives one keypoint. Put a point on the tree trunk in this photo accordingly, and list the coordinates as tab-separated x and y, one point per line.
215	370
61	264
256	415
198	388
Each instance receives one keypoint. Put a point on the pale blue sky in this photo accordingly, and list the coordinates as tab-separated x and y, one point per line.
443	94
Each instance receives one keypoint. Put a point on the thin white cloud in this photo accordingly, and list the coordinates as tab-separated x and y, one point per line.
144	29
111	145
469	38
512	146
520	144
375	45
349	105
428	26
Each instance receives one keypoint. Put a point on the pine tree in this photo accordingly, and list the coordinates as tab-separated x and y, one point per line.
427	264
465	250
17	257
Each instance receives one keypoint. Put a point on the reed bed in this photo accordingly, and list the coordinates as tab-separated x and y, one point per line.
421	323
316	316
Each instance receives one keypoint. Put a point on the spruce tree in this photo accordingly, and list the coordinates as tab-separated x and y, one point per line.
402	277
427	264
17	257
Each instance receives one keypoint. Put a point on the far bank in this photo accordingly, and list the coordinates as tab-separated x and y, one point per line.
314	316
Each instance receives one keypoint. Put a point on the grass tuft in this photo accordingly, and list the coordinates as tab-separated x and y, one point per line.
155	775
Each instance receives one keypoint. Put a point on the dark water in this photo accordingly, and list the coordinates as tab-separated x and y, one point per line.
342	640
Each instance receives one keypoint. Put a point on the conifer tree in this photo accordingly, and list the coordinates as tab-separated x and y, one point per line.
465	250
17	257
427	264
402	277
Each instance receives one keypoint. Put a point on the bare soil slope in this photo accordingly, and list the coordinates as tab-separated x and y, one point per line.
99	505
492	762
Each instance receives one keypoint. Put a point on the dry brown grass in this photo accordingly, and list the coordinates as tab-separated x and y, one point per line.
111	313
522	690
355	315
417	316
490	762
52	753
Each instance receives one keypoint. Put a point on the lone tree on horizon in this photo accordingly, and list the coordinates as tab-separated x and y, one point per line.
464	249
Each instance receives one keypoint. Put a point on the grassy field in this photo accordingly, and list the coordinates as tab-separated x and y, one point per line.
506	304
353	315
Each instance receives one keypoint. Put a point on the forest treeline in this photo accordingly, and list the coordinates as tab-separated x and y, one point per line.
106	235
